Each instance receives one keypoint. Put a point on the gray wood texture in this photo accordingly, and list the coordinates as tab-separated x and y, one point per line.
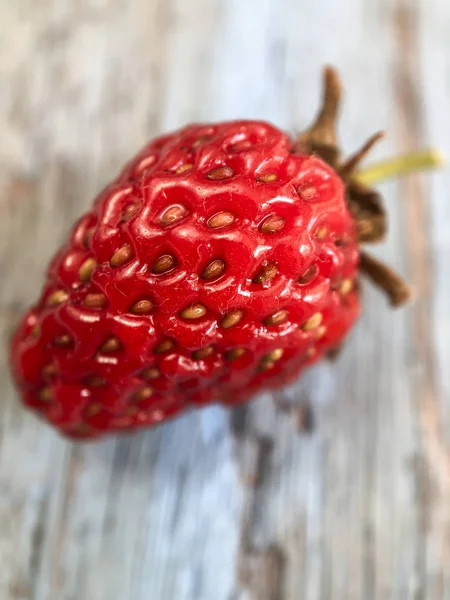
251	504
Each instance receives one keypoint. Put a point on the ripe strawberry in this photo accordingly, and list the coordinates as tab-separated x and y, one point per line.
223	260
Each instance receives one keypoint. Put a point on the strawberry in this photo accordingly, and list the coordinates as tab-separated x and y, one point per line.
223	260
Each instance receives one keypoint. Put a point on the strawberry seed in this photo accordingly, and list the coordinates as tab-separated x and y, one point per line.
113	344
219	220
87	269
143	307
95	300
213	270
267	178
172	214
121	256
203	353
194	311
232	318
308	275
277	318
313	322
63	341
272	224
150	373
163	264
220	173
164	346
57	297
235	353
267	273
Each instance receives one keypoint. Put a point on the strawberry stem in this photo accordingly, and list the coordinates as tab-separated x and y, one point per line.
385	278
400	166
363	201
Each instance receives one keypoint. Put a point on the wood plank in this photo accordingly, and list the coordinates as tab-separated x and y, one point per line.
220	506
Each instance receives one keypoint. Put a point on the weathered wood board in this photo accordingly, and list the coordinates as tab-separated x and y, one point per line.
357	507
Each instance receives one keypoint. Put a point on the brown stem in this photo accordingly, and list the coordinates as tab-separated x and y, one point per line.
323	131
352	163
364	203
321	138
382	276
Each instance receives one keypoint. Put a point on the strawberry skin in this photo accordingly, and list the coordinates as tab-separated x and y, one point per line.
221	262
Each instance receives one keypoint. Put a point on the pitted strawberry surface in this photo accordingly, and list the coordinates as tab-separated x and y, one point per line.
222	261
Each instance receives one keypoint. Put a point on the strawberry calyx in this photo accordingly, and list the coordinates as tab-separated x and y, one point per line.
364	203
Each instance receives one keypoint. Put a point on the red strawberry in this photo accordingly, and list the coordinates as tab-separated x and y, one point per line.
223	260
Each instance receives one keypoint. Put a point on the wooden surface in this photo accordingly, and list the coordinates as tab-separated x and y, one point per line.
220	506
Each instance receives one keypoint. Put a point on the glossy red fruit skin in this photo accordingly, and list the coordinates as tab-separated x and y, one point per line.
214	222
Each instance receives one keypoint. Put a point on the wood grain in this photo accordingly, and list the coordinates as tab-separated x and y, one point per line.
347	499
